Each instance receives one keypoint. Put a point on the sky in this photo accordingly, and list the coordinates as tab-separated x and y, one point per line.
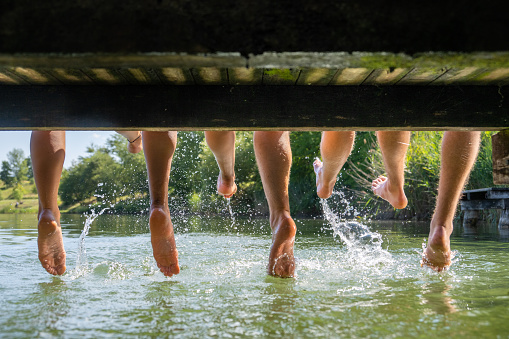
76	143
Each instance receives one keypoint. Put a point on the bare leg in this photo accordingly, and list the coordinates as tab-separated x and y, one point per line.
159	149
335	148
134	139
274	158
393	145
459	152
47	149
222	144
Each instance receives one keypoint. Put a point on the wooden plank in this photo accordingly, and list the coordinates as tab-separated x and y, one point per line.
140	76
280	76
316	76
421	76
254	107
250	27
351	76
210	76
500	157
34	77
105	76
498	76
175	76
484	204
330	60
245	76
458	76
70	76
386	76
10	79
486	193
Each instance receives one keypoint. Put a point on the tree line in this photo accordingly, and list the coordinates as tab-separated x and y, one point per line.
16	170
113	177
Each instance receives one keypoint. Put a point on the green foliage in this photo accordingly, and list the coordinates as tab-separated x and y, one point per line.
18	164
95	175
302	190
131	174
250	191
114	175
422	172
421	175
482	173
185	173
5	173
17	192
17	169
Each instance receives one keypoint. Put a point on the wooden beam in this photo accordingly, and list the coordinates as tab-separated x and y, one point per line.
254	107
251	26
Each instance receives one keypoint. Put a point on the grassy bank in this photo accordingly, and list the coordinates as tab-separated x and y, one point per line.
28	203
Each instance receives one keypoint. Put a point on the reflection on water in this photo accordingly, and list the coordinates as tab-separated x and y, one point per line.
346	285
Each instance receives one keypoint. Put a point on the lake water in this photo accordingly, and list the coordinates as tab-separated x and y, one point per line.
353	280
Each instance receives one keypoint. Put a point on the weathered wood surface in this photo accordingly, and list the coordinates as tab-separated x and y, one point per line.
250	26
254	107
300	68
473	201
485	198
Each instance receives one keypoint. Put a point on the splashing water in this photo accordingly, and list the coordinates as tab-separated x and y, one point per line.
364	247
81	260
232	215
425	262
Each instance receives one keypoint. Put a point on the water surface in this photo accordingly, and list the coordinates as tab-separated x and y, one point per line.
349	283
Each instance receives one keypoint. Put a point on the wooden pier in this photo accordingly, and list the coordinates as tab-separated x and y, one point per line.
253	65
474	201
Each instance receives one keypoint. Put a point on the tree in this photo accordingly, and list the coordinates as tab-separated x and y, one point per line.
30	173
5	173
94	175
18	192
18	165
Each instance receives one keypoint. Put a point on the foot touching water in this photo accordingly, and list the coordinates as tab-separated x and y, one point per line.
50	243
437	254
281	259
163	241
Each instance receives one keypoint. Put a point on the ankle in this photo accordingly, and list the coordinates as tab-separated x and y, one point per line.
439	237
49	214
283	222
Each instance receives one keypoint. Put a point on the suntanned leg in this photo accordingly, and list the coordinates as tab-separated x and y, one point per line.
393	145
459	152
159	148
47	149
134	138
335	148
274	158
222	144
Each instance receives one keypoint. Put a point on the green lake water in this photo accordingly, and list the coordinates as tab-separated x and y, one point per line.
353	280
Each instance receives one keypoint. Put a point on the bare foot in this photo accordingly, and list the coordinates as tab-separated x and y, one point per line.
50	243
135	145
437	254
226	186
163	241
281	259
323	189
382	187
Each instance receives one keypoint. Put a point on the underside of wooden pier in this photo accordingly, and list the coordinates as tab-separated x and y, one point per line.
251	65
